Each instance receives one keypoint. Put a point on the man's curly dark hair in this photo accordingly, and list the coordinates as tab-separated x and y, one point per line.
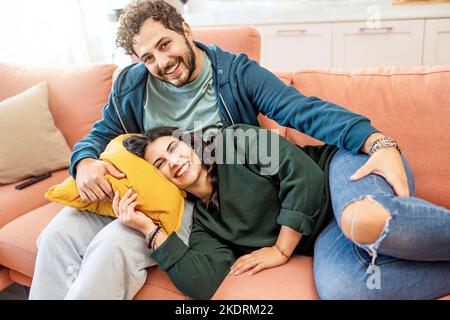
137	12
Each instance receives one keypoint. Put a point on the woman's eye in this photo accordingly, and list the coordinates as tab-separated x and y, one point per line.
174	146
159	164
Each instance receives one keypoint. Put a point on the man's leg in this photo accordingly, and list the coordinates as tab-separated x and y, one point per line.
61	247
114	266
115	263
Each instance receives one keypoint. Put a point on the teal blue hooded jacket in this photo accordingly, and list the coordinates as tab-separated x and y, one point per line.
243	90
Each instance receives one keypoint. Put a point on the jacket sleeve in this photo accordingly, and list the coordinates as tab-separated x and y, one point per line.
197	270
320	119
300	180
94	143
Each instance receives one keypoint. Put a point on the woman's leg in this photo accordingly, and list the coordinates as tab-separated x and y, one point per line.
372	216
342	270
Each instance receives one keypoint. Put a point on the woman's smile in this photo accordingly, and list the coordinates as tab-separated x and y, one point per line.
183	170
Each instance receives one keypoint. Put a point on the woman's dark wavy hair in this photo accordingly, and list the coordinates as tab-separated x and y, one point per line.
138	144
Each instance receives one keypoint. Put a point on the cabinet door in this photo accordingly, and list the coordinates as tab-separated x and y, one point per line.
394	43
437	42
293	46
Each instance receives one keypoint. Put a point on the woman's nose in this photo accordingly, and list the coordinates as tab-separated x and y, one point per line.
174	161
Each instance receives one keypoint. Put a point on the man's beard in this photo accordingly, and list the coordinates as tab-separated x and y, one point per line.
190	62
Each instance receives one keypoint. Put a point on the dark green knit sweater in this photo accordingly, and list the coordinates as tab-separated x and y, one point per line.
255	200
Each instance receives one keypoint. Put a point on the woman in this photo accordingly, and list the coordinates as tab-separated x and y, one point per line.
249	217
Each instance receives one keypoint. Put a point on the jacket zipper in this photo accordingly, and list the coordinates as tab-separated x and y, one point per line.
118	114
223	101
226	108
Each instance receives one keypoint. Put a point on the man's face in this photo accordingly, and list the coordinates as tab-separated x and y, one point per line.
167	54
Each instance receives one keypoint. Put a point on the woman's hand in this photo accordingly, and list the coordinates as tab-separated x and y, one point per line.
265	258
125	211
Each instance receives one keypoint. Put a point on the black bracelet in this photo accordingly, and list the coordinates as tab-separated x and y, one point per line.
153	236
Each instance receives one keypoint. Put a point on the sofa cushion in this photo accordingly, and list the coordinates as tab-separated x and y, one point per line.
14	202
292	281
5	279
30	143
410	104
18	238
76	95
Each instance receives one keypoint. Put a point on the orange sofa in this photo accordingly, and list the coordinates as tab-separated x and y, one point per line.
410	104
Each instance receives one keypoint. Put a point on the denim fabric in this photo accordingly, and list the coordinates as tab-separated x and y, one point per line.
409	260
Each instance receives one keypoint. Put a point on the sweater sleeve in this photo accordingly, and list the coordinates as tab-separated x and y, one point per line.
320	119
300	180
196	270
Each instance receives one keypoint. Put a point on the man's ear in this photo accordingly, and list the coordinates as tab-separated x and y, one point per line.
187	32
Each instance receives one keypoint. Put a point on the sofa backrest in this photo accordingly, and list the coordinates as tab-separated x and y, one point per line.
76	95
410	104
235	39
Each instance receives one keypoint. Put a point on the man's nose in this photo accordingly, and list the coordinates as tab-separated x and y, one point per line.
163	63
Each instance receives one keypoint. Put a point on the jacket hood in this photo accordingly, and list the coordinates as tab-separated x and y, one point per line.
135	74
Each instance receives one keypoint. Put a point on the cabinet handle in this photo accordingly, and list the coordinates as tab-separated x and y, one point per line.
384	29
293	31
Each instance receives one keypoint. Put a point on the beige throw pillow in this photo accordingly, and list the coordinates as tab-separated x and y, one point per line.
30	143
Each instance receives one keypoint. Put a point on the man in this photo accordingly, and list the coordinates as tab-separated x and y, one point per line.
177	81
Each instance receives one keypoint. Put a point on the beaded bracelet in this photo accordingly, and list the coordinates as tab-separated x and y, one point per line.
381	143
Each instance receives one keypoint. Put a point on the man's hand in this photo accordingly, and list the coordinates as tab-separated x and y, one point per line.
265	258
91	182
125	210
386	163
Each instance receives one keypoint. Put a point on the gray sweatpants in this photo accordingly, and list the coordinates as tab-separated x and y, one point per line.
82	255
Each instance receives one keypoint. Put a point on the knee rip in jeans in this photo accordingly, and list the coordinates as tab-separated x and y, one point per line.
366	222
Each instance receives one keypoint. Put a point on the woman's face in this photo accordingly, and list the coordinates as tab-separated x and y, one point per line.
177	161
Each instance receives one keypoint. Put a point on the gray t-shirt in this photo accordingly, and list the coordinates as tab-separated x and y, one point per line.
191	107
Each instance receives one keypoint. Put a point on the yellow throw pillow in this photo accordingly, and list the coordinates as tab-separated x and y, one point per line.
158	198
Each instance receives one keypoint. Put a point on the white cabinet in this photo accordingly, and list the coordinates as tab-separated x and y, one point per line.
293	46
394	43
350	45
437	42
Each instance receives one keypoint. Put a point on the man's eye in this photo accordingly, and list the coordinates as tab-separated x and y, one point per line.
164	45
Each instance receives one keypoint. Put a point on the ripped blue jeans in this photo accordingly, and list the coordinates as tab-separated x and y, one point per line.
409	260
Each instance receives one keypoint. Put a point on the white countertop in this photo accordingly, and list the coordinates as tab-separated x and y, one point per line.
220	13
